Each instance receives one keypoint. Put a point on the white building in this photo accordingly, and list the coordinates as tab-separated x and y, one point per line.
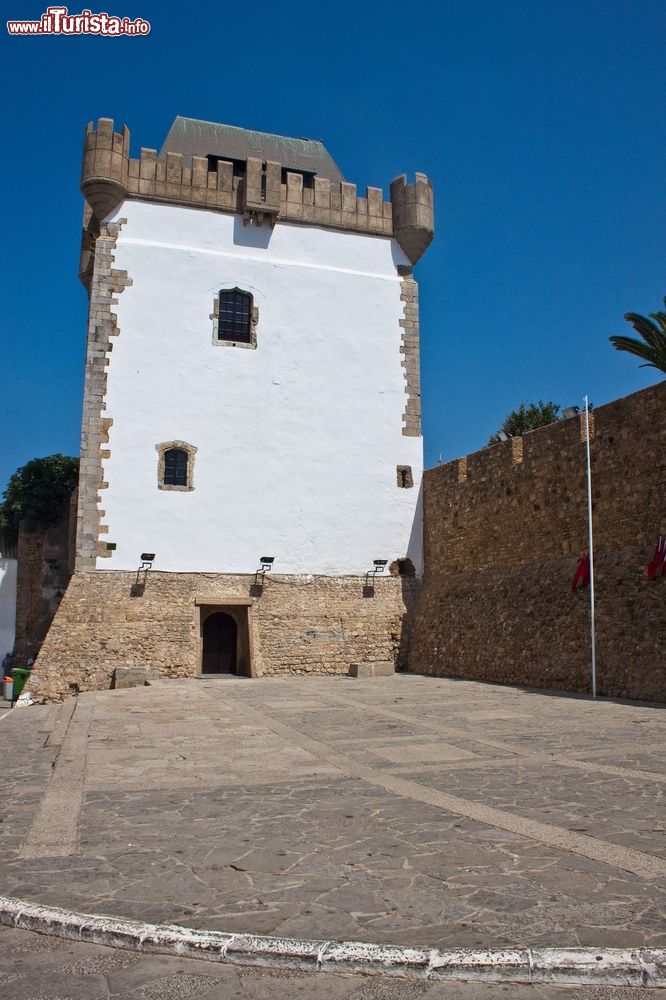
8	572
252	383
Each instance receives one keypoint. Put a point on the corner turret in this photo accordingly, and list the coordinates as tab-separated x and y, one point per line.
105	171
413	215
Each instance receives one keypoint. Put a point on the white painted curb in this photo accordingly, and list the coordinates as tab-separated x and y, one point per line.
638	967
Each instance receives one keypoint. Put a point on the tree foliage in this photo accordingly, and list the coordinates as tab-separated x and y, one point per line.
36	492
652	346
527	417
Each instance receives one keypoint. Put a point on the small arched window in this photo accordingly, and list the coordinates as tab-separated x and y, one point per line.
235	318
175	465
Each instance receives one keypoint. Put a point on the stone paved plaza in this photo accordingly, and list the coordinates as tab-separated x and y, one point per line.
403	810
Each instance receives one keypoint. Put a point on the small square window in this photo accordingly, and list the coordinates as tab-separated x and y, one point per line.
405	479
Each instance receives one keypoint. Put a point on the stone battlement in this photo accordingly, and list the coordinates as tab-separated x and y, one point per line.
266	193
525	499
493	461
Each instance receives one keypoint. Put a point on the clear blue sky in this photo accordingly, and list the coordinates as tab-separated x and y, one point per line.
540	124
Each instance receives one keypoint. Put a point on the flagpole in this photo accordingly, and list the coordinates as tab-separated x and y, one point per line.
590	546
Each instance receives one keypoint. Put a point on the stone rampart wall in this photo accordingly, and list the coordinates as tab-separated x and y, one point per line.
45	563
504	530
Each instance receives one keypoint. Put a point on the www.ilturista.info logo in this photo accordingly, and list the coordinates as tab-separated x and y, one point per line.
58	21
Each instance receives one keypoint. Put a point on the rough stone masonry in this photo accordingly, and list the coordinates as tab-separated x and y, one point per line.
297	625
504	531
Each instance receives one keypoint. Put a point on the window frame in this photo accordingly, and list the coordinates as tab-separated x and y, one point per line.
176	466
404	477
162	450
253	320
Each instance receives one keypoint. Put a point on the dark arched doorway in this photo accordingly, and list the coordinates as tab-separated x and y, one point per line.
220	634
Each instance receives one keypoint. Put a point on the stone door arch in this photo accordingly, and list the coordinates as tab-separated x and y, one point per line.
224	646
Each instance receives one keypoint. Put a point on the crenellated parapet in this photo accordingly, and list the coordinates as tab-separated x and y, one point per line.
266	193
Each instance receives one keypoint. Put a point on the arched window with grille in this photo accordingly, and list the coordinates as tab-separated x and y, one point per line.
175	465
234	318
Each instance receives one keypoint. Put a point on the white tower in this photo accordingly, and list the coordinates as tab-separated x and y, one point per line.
252	388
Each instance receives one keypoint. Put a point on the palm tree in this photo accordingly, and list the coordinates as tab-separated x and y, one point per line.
653	346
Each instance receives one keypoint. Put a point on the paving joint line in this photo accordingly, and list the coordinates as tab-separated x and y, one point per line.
627	748
518	751
430	767
54	831
61	725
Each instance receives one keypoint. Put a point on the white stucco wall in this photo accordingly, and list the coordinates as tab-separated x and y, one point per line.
298	440
7	605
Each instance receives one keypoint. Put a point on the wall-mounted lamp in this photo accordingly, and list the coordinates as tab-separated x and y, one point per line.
570	411
379	565
146	560
503	436
265	566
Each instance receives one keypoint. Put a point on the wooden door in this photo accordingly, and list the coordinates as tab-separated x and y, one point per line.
219	644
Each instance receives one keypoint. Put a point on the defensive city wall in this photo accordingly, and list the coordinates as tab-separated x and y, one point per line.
504	531
45	559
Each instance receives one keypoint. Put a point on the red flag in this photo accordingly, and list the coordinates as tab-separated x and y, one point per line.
582	574
657	564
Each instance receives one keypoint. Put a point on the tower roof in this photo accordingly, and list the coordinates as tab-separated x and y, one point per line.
192	137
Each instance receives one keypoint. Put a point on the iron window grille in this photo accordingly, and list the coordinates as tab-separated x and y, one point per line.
235	316
175	467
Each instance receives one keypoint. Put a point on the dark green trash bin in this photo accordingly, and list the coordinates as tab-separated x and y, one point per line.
19	676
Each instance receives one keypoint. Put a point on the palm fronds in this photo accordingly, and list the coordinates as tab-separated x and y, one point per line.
652	348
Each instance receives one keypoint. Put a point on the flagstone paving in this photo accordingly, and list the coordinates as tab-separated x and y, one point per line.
404	810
